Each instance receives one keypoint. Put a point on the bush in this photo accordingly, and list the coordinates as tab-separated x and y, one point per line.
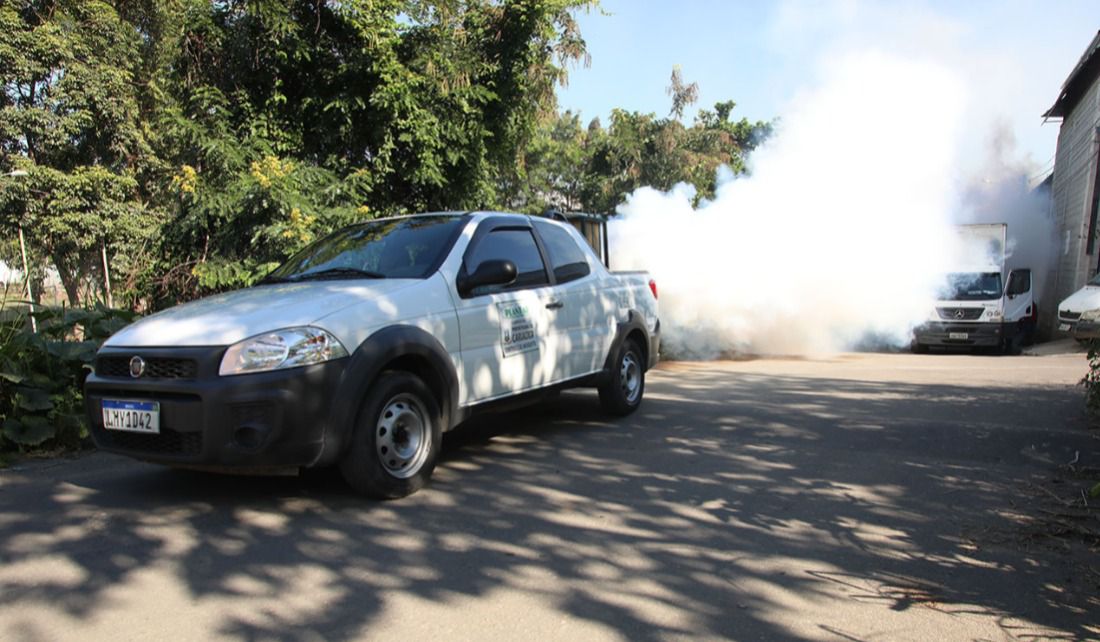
1091	381
42	373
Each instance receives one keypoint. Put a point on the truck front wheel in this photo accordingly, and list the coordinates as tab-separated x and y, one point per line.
396	439
622	393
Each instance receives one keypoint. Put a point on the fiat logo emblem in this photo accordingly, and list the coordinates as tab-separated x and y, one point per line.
137	367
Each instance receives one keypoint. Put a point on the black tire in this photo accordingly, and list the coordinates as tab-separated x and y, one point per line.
1030	326
918	348
1028	333
622	393
396	440
1013	345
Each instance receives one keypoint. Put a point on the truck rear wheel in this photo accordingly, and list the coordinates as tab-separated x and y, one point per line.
396	438
622	393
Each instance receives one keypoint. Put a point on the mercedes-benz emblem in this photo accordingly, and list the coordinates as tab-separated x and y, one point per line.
960	313
137	367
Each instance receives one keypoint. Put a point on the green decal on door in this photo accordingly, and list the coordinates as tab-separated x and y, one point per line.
517	329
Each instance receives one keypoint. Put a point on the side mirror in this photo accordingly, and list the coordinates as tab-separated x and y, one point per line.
491	272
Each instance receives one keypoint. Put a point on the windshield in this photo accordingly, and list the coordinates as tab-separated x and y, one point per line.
400	248
972	286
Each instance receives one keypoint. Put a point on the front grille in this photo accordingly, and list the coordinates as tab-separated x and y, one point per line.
971	327
167	442
155	368
1066	315
960	314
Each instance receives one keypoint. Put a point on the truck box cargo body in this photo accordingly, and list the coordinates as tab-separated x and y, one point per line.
983	303
362	349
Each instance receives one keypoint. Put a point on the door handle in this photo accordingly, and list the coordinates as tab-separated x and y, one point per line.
555	305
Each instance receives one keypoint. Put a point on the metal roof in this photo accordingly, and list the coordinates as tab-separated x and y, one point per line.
1078	82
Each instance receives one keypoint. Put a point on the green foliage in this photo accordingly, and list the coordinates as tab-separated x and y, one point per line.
554	167
285	120
593	169
171	135
43	372
218	275
194	143
71	116
237	224
1091	380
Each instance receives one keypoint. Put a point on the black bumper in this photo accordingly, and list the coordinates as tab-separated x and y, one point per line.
268	419
1081	330
963	334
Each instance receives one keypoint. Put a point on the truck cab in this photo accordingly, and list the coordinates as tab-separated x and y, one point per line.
981	304
975	311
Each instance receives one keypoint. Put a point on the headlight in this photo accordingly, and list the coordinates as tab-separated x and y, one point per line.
287	348
1091	315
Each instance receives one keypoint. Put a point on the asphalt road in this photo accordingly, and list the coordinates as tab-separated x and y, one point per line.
865	497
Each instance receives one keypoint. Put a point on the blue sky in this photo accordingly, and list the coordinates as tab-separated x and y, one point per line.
1012	56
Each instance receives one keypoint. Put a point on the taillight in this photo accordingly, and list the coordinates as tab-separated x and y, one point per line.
653	288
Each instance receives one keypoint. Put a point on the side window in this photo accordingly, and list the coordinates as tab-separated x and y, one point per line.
517	246
567	259
1019	282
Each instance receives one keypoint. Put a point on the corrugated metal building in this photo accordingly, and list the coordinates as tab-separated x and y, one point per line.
1076	187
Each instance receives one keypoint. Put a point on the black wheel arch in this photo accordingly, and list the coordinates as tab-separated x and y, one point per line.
633	328
403	348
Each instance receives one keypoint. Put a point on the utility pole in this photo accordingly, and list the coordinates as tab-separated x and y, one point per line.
19	173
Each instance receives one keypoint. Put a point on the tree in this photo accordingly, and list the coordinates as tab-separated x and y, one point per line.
553	167
355	107
682	94
639	149
70	116
198	142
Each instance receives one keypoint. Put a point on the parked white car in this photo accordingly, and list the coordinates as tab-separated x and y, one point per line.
362	349
1079	314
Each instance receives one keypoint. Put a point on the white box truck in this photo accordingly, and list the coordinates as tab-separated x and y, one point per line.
983	303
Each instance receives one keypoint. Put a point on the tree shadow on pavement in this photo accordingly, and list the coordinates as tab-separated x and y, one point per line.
731	505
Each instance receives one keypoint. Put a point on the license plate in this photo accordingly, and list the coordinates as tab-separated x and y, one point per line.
131	416
1064	327
958	335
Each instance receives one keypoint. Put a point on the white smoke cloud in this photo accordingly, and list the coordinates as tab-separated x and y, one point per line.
1003	191
839	231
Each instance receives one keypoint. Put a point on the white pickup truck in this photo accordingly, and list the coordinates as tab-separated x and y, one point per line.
363	348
